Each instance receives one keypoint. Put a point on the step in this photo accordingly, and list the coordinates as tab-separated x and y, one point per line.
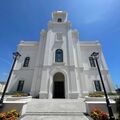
54	109
34	117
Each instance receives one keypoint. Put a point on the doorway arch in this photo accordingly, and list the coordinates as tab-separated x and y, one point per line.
58	85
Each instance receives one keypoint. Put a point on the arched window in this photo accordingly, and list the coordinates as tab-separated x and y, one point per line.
59	20
58	55
26	62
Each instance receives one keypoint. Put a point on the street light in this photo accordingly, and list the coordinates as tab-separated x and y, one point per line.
16	55
95	57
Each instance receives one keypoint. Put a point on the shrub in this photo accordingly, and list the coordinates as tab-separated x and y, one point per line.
9	115
110	93
96	94
97	114
19	94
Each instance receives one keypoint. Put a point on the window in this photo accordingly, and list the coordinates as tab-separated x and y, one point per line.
20	85
59	55
97	85
26	62
92	62
59	20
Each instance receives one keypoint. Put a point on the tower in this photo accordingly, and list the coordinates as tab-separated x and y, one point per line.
60	60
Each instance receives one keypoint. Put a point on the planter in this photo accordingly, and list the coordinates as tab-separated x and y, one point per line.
18	98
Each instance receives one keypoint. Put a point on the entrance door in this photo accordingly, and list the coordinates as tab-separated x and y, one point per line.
59	89
58	86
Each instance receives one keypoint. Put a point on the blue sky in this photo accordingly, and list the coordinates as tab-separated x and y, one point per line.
94	19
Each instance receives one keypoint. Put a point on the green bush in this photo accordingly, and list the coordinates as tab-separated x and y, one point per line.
112	93
96	94
19	94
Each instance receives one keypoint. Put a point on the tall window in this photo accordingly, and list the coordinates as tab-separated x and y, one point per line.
92	62
20	85
26	62
59	55
59	20
97	85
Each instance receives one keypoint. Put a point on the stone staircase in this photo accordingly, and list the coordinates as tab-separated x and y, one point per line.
54	109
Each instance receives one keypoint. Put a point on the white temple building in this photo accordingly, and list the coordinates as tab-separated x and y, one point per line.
59	64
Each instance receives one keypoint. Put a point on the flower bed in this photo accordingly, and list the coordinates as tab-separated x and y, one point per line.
98	114
96	94
19	94
9	115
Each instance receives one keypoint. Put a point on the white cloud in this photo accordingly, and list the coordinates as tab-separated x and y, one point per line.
5	74
6	61
92	19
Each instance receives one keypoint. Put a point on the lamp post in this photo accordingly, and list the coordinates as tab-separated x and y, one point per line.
95	57
16	55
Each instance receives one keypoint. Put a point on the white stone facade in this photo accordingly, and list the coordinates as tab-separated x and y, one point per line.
75	70
2	86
